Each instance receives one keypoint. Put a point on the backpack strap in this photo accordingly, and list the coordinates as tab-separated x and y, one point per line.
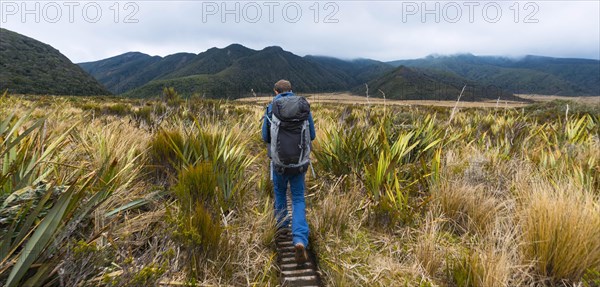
302	139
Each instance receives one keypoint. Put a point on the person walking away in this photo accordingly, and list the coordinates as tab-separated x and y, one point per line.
288	129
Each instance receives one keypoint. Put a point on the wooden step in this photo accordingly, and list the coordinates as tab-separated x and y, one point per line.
294	266
299	272
292	273
301	280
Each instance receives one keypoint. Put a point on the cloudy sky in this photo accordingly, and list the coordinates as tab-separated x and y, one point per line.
381	30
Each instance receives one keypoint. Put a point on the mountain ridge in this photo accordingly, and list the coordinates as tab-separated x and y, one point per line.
236	70
30	66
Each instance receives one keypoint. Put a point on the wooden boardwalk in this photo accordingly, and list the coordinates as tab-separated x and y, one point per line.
293	274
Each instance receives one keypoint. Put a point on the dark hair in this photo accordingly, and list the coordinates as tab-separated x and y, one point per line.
283	86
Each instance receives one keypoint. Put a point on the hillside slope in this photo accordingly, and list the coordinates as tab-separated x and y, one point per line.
233	71
406	83
28	66
238	77
527	75
237	71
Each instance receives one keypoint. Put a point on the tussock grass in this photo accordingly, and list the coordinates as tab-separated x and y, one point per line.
333	213
158	193
430	248
469	208
482	267
560	226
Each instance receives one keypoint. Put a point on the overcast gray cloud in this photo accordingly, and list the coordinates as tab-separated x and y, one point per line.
382	30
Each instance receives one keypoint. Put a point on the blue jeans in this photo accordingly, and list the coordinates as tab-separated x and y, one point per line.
299	225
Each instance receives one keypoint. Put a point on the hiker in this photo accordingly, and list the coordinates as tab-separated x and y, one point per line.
289	121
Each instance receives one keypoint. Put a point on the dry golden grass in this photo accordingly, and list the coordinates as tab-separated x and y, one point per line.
560	225
331	215
351	99
469	208
493	215
591	100
430	248
486	266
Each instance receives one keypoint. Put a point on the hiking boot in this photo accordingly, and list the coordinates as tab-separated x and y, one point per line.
301	255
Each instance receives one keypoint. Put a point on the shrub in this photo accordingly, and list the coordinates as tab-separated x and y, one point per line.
197	185
170	151
344	151
199	233
144	114
197	219
163	147
171	97
117	109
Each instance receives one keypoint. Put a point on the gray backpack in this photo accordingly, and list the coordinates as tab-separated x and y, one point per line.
290	135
